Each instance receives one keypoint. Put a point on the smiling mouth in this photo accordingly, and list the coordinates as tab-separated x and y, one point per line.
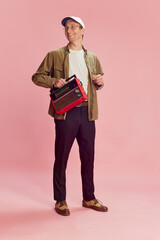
70	35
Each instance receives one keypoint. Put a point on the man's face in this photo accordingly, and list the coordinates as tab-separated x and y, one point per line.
73	31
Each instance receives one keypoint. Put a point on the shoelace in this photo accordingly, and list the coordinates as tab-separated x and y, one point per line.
97	201
62	203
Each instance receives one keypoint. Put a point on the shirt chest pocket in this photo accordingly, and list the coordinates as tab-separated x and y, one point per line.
92	67
58	72
92	71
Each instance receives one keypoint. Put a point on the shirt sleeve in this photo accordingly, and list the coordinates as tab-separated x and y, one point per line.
43	77
99	70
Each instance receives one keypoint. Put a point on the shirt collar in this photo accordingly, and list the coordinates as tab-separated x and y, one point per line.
67	49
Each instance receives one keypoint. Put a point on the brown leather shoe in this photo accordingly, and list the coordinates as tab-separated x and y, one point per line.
94	204
62	208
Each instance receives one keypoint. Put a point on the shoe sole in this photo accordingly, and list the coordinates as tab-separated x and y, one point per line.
95	208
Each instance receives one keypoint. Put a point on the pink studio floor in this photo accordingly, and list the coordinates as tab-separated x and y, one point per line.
27	209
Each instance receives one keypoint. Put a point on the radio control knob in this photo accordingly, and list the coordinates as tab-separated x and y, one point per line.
76	90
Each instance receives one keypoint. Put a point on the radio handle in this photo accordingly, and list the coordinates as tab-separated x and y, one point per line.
73	76
55	89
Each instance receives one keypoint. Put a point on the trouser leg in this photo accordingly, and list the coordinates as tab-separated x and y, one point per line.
66	131
86	142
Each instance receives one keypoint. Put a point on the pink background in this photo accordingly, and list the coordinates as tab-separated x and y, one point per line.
125	35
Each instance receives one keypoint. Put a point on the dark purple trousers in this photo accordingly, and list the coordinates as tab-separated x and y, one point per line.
75	126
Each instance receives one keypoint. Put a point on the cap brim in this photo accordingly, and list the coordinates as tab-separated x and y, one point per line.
63	22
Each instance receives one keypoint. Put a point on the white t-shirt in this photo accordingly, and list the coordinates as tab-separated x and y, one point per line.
77	66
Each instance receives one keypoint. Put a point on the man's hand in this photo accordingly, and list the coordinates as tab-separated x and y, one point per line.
59	83
98	79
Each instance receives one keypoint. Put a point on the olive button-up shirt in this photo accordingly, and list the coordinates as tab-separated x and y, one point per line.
56	65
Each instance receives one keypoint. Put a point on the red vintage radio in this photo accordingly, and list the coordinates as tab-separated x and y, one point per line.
68	96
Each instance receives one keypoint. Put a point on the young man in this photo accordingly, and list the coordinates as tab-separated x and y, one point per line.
79	122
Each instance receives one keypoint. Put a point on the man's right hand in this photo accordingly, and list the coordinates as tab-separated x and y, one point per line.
59	83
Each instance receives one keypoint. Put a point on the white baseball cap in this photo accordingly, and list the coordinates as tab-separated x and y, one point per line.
77	19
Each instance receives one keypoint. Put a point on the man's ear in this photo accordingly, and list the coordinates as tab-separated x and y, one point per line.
83	30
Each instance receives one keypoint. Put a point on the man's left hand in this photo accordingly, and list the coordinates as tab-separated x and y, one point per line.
98	79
